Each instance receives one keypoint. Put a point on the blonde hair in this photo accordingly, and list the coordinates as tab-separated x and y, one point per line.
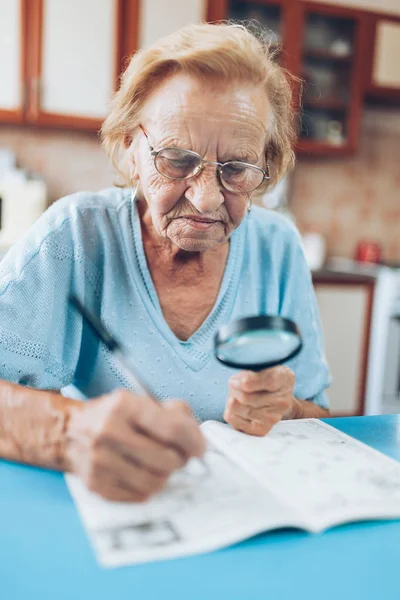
229	52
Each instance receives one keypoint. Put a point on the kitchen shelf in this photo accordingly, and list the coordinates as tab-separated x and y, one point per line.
329	56
334	105
309	146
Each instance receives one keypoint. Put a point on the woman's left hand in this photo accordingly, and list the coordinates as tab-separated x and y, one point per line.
257	401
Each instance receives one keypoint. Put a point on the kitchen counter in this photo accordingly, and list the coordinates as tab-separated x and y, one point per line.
331	276
346	270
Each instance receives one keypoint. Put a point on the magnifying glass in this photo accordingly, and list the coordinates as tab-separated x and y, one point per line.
257	343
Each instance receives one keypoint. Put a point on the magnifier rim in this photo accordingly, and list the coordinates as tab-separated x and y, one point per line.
246	324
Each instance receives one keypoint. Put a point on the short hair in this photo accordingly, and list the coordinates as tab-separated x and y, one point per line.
227	51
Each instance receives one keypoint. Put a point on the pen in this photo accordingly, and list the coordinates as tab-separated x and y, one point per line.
120	353
114	346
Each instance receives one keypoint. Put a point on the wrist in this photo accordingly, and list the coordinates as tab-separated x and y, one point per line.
295	411
306	409
71	411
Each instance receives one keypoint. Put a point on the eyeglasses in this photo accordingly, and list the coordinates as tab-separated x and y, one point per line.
235	176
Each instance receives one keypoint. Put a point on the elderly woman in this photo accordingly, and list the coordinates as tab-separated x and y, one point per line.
202	121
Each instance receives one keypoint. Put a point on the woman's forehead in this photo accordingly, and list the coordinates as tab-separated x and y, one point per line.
184	106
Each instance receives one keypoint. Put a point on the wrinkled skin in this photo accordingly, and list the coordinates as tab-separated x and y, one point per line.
220	123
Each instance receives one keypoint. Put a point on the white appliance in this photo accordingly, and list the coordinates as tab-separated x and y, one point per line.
381	350
383	367
391	385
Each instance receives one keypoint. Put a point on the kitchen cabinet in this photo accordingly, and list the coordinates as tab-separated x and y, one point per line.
63	59
60	61
12	60
345	309
333	43
382	64
324	46
75	64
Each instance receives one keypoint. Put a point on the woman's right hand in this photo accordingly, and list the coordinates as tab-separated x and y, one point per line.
124	446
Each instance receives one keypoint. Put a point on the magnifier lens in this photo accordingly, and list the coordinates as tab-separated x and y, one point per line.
258	347
257	342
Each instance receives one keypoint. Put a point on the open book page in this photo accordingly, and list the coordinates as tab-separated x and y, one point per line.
199	510
328	476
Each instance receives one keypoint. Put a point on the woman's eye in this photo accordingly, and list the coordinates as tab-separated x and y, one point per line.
234	170
180	162
178	159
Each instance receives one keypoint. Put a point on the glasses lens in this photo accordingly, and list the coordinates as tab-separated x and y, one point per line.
239	177
177	164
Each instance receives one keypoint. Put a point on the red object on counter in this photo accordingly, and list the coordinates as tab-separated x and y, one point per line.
370	252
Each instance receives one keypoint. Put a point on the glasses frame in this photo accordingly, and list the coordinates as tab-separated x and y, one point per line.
154	153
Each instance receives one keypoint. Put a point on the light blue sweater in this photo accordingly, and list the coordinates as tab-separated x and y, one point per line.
90	244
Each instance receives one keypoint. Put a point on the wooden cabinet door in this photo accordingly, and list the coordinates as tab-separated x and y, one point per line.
382	61
332	54
386	65
345	311
12	60
75	63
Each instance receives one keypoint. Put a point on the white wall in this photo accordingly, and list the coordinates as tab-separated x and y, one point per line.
161	17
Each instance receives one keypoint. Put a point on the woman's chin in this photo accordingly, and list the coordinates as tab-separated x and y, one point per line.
196	240
196	243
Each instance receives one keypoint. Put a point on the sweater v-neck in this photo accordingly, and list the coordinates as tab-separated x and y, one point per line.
196	351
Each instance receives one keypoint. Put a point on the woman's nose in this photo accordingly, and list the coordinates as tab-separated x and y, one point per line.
204	192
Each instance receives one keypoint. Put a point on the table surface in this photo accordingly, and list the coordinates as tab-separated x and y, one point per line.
44	552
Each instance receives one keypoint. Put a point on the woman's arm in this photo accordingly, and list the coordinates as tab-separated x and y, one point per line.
33	425
122	446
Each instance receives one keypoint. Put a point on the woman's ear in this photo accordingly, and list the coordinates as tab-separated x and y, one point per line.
127	141
134	175
129	157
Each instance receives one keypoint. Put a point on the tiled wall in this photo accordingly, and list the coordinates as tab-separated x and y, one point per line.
345	199
358	197
68	161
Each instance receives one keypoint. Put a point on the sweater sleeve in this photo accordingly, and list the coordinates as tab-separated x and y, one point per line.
39	332
298	302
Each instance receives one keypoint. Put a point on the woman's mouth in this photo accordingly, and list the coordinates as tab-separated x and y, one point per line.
199	223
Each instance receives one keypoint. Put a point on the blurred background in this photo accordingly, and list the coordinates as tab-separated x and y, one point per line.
60	62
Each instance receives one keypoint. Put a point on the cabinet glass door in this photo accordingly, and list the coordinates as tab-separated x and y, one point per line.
269	16
327	66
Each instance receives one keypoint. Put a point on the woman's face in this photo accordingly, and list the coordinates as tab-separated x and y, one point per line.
220	123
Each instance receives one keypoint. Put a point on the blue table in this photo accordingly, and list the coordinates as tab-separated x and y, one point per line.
44	553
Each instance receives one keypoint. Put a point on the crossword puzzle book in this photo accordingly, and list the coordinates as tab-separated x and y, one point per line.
303	474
